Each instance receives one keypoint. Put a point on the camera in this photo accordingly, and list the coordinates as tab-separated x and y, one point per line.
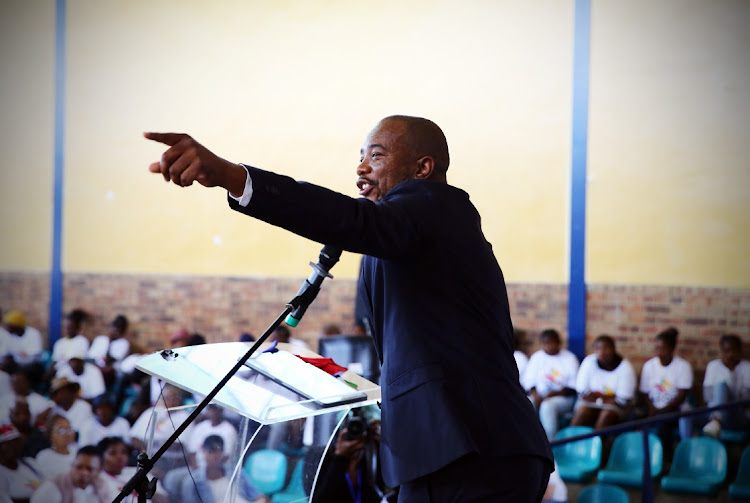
356	428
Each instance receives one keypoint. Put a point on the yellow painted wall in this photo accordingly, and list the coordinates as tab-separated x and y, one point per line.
294	87
27	43
669	149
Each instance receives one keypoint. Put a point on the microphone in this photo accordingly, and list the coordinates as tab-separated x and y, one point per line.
328	257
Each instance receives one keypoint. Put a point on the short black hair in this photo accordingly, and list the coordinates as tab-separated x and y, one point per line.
549	333
213	441
108	442
731	339
78	316
669	337
120	322
89	450
607	339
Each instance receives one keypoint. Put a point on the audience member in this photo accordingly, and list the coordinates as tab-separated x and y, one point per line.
73	341
62	451
605	386
283	334
727	380
330	329
24	342
104	423
34	439
550	380
112	347
80	483
557	491
166	420
87	375
521	359
350	473
21	387
115	472
666	380
64	394
214	424
179	338
19	476
210	484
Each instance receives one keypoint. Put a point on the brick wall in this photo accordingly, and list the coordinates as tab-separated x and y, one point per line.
221	308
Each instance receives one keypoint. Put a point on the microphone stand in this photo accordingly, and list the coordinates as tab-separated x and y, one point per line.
140	482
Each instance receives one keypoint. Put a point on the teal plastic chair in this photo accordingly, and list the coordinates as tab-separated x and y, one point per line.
603	493
625	465
577	461
740	488
266	470
734	436
295	490
699	467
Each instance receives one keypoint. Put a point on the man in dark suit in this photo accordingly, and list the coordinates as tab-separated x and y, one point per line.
457	425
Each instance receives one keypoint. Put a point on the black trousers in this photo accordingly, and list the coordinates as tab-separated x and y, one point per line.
480	479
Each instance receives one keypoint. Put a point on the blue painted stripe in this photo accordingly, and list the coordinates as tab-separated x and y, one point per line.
56	277
577	285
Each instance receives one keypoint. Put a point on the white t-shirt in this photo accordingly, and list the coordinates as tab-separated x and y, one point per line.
738	380
49	493
119	348
65	348
98	349
93	431
113	484
521	362
662	384
619	382
203	430
91	380
547	372
166	424
78	414
51	463
37	405
21	482
26	348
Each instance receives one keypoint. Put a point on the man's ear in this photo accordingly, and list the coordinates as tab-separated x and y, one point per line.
425	168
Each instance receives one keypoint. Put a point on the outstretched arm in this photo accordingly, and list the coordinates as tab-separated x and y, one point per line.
187	161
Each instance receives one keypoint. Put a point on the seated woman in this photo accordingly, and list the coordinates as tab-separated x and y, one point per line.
666	380
727	380
605	386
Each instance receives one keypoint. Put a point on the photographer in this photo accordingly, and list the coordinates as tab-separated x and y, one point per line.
352	473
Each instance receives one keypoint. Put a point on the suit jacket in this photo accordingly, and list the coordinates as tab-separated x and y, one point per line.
439	309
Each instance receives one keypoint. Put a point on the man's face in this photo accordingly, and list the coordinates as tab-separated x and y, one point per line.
84	471
77	365
214	456
20	415
21	384
385	160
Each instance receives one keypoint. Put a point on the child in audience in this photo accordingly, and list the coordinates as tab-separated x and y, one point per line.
550	380
605	386
62	451
105	423
666	380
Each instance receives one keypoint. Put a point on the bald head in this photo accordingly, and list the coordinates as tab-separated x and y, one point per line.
425	139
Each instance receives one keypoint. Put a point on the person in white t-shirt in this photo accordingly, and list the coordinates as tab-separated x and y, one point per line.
727	380
605	386
19	476
87	375
666	380
214	424
116	474
24	342
21	387
111	348
80	484
550	380
59	457
74	342
105	423
67	403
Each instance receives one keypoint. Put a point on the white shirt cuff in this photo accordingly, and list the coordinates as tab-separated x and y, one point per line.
244	199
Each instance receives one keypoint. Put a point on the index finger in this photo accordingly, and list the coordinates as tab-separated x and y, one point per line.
170	139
